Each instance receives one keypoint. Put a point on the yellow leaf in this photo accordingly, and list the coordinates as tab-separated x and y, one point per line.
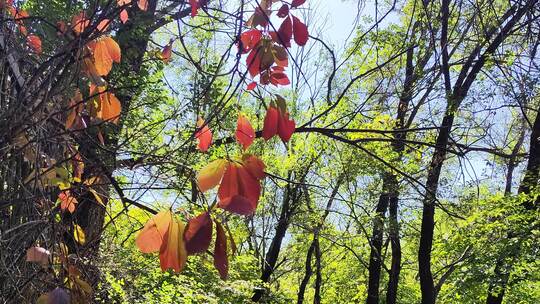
210	176
96	196
78	234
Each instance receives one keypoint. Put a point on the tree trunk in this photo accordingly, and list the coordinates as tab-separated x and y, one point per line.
375	257
307	274
290	199
395	268
504	266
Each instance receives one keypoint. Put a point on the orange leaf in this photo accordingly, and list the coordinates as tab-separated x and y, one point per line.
167	52
221	261
34	42
172	254
204	135
211	174
103	25
105	50
245	134
151	236
67	201
79	23
198	234
110	107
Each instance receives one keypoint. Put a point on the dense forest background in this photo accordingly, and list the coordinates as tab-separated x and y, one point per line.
412	175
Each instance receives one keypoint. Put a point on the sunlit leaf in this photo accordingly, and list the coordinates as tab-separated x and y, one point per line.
172	254
151	236
105	51
167	52
203	135
251	86
270	123
245	134
79	23
254	165
210	176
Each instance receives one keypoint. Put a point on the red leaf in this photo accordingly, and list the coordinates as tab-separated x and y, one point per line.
194	7
229	182
249	187
237	204
283	11
251	86
254	165
301	34
204	135
279	79
245	134
198	234
239	191
221	261
270	123
34	42
286	127
249	39
253	62
285	33
296	3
